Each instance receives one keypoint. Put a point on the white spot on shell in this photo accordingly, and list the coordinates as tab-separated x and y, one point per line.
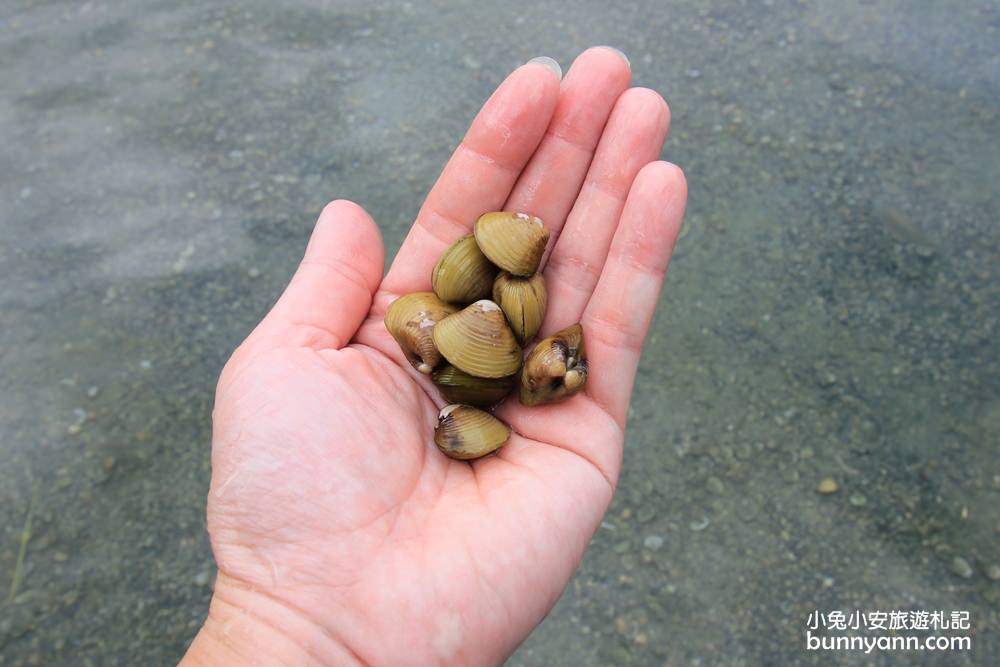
486	305
524	216
448	409
426	323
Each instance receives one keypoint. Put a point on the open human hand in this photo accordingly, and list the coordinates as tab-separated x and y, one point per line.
342	535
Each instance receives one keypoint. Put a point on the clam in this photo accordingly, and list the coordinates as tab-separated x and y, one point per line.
513	241
463	274
478	341
522	301
464	432
556	369
459	387
411	320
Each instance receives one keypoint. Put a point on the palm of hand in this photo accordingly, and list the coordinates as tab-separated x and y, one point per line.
328	494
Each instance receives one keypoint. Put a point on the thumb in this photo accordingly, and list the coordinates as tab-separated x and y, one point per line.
331	292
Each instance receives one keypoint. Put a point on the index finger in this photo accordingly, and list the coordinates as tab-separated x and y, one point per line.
480	174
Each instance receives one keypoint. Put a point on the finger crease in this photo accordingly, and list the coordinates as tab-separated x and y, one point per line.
490	159
613	333
348	272
570	269
587	148
607	187
446	234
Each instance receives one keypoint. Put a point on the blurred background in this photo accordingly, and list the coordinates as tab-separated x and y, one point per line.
817	418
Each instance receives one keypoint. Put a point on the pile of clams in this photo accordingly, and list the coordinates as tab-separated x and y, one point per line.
468	334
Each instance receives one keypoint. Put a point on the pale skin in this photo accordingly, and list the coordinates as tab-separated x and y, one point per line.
342	535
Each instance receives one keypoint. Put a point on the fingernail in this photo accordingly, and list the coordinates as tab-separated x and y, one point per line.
619	52
550	63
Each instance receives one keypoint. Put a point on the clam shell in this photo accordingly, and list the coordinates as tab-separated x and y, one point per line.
462	273
478	341
411	320
513	241
459	387
556	369
465	432
523	301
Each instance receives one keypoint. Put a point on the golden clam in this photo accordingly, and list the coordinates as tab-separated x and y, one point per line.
478	341
523	301
463	274
464	432
513	241
556	369
459	387
411	320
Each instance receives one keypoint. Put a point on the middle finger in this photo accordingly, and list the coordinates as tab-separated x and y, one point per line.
550	182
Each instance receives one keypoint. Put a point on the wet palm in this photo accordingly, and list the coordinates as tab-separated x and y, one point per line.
334	519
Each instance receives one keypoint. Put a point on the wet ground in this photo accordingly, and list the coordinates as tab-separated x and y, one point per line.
831	312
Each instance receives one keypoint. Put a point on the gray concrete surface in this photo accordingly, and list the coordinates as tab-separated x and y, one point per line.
831	311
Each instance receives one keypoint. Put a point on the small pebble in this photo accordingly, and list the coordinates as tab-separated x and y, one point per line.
202	578
622	547
93	391
700	525
145	364
857	500
253	272
993	572
653	542
961	567
646	513
715	485
73	429
827	485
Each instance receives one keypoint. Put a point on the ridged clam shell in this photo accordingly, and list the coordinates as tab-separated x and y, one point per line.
411	320
513	241
459	387
556	369
463	274
478	341
523	301
464	432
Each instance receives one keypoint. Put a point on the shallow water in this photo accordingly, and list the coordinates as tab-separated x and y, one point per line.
831	311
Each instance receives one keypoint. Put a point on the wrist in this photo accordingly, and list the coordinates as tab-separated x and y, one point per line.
248	627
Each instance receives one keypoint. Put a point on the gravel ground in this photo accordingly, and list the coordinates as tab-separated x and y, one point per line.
830	317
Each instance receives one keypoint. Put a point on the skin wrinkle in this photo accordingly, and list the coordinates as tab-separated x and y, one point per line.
576	267
220	593
509	616
514	170
613	333
456	228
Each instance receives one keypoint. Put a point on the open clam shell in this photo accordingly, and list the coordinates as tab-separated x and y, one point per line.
478	341
463	274
556	369
465	432
411	320
523	301
513	241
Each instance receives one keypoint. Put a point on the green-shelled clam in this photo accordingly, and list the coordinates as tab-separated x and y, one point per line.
556	369
465	432
411	320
